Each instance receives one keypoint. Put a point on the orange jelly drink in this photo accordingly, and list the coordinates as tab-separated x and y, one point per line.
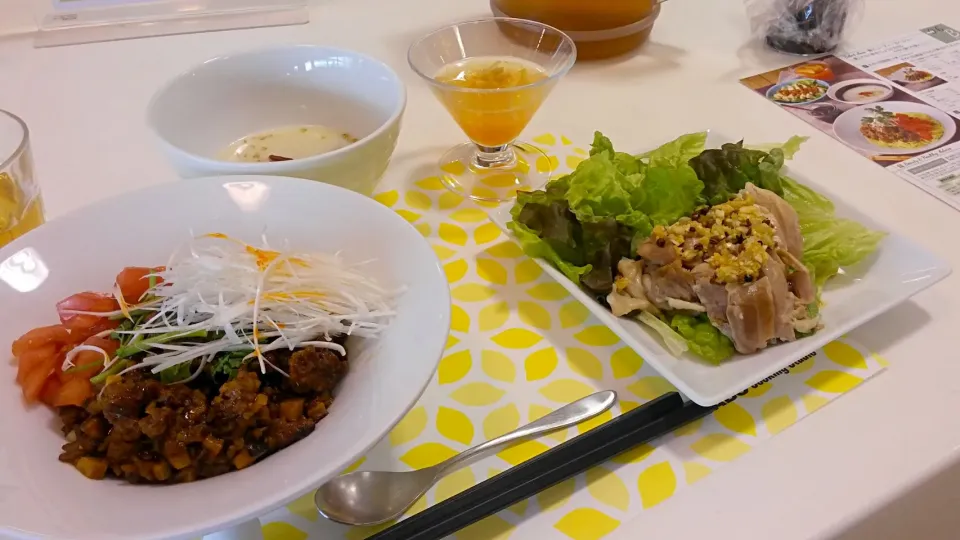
492	98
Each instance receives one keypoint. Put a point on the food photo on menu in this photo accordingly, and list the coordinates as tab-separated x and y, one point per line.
911	77
874	116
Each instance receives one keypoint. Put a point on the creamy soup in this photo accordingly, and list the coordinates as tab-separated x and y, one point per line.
863	92
286	143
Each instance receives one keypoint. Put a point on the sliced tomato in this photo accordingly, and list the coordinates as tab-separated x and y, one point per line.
34	358
134	281
86	301
35	379
50	391
39	337
80	335
74	392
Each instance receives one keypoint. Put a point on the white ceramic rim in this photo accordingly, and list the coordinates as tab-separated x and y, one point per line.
272	167
834	89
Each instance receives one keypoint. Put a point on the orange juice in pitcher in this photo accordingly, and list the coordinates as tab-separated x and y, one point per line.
600	28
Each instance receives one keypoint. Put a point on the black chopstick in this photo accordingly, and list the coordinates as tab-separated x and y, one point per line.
645	423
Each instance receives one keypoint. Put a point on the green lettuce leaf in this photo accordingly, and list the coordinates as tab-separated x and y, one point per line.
829	242
703	339
546	228
676	152
789	148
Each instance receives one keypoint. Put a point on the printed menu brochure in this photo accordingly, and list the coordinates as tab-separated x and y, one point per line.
896	103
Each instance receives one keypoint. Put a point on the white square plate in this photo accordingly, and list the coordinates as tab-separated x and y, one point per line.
899	270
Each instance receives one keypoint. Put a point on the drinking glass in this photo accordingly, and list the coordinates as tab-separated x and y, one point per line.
21	208
461	63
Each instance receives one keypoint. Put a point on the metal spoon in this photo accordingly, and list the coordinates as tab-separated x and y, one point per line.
373	497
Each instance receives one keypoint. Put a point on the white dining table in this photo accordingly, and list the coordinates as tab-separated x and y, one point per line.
85	106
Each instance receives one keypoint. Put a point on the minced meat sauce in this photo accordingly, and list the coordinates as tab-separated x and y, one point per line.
143	431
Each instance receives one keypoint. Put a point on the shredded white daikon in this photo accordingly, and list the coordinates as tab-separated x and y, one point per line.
224	295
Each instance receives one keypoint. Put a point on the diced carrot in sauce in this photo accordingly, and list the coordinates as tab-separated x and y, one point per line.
39	337
36	377
34	358
50	391
134	281
74	392
86	301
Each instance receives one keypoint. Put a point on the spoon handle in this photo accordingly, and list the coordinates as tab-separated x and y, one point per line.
568	415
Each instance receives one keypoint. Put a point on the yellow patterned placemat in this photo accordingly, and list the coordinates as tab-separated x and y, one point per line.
520	347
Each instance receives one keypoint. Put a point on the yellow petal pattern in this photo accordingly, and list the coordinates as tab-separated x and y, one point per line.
304	507
625	363
778	414
607	488
492	271
417	200
735	418
455	168
527	270
477	394
833	382
454	367
504	250
490	528
279	530
556	495
354	466
517	338
534	315
586	524
449	200
451	341
573	314
695	471
427	455
547	164
387	198
584	363
455	270
468	215
472	292
627	406
493	316
720	447
812	402
845	355
488	232
408	215
547	139
597	336
566	390
454	425
430	183
410	427
443	252
453	234
454	483
540	364
517	453
548	292
423	228
459	320
651	387
656	484
502	420
498	366
565	140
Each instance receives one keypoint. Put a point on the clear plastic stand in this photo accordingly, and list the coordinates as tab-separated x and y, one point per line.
68	22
